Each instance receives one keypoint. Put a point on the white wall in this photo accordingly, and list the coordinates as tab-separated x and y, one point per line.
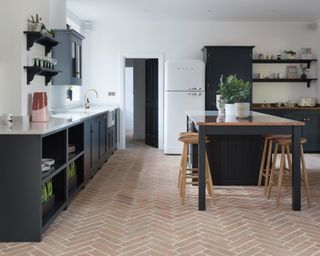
129	100
10	56
185	40
14	91
139	89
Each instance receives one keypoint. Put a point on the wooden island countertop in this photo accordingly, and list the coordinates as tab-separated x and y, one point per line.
211	118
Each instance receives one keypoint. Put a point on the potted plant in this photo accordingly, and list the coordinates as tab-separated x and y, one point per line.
35	23
291	55
234	91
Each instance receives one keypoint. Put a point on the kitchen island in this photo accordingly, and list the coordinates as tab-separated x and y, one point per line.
208	123
84	138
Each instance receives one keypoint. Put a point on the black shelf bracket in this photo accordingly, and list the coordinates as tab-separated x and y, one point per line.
46	72
43	39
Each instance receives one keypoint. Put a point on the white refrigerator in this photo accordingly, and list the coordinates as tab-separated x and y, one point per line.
184	91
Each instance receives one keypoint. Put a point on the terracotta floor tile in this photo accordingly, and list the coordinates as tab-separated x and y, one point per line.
132	207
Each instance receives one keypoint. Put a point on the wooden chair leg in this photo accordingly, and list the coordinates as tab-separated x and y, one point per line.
272	170
267	174
305	177
281	173
263	162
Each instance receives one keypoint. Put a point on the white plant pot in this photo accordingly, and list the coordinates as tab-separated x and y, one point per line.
242	110
229	109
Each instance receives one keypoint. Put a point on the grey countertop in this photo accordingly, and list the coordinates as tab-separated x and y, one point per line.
59	120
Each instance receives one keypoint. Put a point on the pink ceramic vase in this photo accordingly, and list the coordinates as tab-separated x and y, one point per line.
40	107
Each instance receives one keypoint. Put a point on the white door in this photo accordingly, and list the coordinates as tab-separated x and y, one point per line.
176	103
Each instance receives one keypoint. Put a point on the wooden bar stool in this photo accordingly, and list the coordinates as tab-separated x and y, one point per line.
285	151
185	173
266	160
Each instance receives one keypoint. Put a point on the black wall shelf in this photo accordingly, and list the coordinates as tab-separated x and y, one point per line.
43	39
46	72
286	80
286	61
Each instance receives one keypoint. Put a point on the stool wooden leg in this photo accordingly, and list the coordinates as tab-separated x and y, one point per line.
287	149
263	162
182	162
209	180
183	172
272	169
305	177
267	174
280	179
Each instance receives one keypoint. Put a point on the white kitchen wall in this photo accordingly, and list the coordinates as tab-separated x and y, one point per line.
185	40
14	91
128	80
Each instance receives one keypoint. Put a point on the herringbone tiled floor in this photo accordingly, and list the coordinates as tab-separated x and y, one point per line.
132	207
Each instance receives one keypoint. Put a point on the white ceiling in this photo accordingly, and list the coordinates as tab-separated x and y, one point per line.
197	10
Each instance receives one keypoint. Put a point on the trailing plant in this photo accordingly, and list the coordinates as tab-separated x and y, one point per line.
233	89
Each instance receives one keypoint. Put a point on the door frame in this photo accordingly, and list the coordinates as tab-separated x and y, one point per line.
141	55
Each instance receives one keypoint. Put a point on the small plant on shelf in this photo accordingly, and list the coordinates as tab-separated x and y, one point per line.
72	176
35	24
291	55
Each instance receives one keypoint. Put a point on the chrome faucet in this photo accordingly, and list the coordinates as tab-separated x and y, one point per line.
86	102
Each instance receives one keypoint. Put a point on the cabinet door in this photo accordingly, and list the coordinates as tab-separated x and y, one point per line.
87	149
226	61
311	132
103	135
76	60
289	114
95	142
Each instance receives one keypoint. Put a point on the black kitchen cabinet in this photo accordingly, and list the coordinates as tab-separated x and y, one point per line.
225	60
23	216
103	132
69	56
310	131
92	146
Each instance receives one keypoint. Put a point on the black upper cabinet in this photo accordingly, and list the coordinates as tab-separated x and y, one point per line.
69	56
225	60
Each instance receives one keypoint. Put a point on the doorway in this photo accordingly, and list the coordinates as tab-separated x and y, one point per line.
141	89
151	126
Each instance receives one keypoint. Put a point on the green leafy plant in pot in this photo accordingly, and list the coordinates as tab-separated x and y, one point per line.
234	91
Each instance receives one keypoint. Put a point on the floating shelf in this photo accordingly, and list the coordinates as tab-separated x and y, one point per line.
286	61
286	80
46	72
43	39
74	156
57	170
